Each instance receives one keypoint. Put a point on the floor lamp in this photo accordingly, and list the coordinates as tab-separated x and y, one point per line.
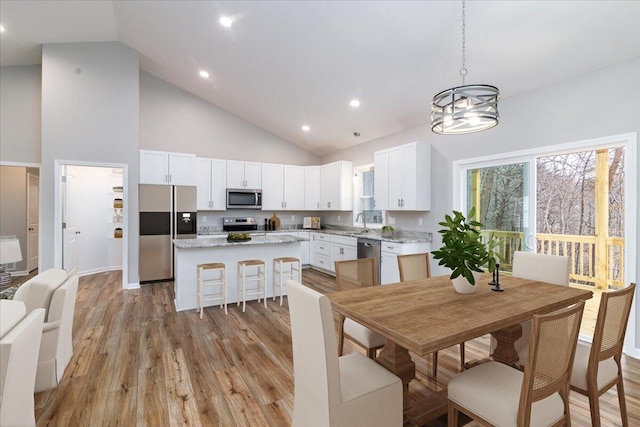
9	253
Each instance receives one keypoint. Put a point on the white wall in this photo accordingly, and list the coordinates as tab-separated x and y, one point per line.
90	106
20	96
174	120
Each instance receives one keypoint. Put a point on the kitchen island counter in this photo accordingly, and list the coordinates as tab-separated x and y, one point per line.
210	242
191	252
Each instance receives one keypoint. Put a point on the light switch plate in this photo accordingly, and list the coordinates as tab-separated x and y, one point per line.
419	221
204	218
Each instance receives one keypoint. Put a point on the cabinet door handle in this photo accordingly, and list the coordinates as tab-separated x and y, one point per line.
341	251
318	205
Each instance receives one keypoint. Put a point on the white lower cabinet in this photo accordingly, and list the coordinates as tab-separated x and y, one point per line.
326	249
389	251
304	257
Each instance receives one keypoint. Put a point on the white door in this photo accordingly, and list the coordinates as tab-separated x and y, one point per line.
33	200
253	175
181	169
395	178
235	174
203	184
381	180
312	188
70	229
273	187
294	188
154	167
218	185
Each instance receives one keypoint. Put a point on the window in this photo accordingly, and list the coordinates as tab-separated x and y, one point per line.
363	199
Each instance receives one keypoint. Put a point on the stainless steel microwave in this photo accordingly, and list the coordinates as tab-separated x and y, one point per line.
240	198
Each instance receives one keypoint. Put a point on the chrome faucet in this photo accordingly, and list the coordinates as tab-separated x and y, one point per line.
364	221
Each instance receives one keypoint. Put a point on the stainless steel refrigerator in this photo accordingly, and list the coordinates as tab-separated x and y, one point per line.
166	212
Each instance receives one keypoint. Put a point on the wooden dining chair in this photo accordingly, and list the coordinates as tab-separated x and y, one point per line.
355	274
597	365
554	269
417	267
344	391
497	394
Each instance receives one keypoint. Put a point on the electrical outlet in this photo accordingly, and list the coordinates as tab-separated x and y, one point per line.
419	221
338	218
204	218
392	220
293	217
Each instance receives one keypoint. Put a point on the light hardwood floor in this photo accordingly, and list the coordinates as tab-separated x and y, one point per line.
139	362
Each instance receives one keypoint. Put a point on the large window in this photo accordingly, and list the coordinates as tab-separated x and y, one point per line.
363	199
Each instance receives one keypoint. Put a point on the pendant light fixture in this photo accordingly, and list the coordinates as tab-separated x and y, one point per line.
466	108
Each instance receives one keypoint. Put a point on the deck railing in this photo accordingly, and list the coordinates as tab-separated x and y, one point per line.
581	250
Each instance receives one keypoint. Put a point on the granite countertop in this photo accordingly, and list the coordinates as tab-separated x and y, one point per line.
398	237
212	242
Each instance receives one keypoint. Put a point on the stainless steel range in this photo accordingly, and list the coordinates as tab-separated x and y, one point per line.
239	224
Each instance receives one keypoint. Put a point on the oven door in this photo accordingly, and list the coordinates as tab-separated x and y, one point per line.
244	199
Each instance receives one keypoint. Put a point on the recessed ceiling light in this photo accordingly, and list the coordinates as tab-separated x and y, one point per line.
306	128
204	74
354	103
1	29
226	21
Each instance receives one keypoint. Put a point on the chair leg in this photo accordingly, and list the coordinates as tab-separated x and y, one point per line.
594	406
623	404
341	337
461	356
434	365
452	416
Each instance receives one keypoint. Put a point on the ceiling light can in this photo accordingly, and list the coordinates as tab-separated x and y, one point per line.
226	21
354	103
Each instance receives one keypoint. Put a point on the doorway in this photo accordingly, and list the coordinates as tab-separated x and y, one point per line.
92	216
576	200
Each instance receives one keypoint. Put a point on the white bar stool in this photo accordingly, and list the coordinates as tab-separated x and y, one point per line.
258	276
215	287
279	265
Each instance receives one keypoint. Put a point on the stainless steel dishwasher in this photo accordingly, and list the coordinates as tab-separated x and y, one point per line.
370	248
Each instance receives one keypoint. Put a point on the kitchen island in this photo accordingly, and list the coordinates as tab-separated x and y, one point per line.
191	252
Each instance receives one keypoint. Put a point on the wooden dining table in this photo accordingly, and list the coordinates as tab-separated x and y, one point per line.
427	315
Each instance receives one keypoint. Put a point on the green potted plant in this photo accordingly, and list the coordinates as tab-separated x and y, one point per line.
463	250
387	231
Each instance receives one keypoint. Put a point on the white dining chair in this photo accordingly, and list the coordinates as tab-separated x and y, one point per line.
597	366
19	349
554	269
496	394
349	391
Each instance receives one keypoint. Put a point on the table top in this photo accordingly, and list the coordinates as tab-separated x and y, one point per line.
11	313
428	315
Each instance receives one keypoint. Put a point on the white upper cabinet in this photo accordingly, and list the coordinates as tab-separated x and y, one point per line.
312	188
408	173
336	186
381	180
244	175
160	167
211	184
282	187
272	187
294	187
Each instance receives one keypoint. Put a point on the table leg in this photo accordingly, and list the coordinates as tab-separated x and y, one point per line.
505	352
397	360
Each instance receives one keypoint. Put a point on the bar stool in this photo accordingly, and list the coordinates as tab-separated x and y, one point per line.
217	285
258	276
279	272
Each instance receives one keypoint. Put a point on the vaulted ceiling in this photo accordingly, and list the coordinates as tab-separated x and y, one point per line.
284	64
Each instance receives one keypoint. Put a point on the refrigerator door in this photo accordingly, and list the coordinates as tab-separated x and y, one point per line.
185	225
156	232
155	258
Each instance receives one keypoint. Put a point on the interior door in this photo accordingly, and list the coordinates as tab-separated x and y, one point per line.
501	196
70	229
33	200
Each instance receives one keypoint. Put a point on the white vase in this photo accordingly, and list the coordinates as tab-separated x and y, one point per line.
463	286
